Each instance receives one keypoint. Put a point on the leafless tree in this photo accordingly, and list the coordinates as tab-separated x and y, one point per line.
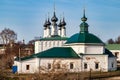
7	35
117	40
56	72
110	41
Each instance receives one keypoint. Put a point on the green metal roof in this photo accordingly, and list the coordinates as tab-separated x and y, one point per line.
54	38
56	52
83	38
109	53
113	46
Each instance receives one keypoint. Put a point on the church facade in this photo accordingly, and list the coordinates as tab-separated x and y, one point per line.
81	52
54	34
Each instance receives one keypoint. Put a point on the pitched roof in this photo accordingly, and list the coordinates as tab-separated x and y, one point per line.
56	52
83	38
109	53
54	38
113	46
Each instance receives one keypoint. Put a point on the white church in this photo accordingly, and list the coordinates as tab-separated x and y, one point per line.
81	52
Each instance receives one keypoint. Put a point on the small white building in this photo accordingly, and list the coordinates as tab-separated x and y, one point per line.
82	52
115	49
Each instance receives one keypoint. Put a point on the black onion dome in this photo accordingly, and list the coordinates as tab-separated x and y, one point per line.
45	24
54	18
48	22
63	22
60	25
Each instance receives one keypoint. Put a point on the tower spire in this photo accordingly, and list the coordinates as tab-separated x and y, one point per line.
84	25
84	17
54	19
54	6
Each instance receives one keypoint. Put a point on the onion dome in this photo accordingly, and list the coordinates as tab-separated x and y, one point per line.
84	36
60	25
45	24
63	22
48	22
84	26
54	18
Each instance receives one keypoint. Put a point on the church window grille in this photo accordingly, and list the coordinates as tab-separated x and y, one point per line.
85	65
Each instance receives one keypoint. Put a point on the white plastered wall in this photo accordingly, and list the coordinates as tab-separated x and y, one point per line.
64	63
112	64
92	59
44	45
22	66
37	46
87	48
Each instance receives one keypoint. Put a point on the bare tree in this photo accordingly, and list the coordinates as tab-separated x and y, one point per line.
110	41
117	40
7	35
56	71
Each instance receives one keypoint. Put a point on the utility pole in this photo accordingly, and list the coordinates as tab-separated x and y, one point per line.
20	61
90	75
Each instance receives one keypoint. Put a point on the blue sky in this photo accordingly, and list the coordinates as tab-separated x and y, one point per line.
26	17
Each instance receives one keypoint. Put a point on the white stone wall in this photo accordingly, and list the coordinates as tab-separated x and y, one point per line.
22	66
112	64
94	49
116	52
87	48
37	64
63	32
91	60
41	64
37	47
44	45
44	33
64	64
